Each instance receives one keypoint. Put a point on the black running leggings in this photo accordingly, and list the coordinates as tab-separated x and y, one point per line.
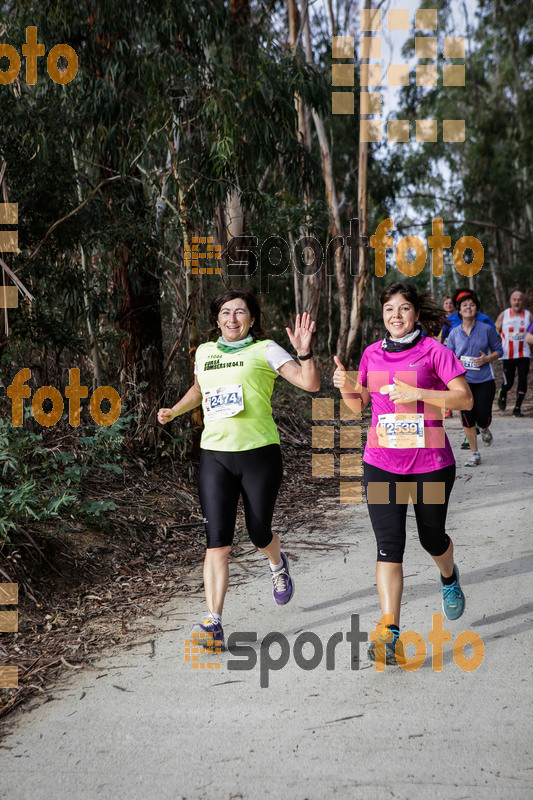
223	477
388	518
510	366
481	412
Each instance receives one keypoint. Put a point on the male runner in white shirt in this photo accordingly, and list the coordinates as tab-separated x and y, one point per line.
512	324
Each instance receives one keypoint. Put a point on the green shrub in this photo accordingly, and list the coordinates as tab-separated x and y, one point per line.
43	484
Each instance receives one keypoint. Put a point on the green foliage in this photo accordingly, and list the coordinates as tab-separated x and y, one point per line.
41	484
172	98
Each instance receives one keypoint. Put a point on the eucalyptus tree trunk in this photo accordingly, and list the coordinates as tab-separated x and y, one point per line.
4	316
307	286
192	330
297	290
335	220
521	106
137	296
233	211
138	317
361	278
86	282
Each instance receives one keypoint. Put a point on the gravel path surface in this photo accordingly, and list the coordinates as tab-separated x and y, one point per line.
143	725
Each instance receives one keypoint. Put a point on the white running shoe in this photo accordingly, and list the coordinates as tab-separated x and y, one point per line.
473	460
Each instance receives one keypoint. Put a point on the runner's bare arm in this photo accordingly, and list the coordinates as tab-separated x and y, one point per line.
457	397
304	375
529	338
192	399
499	322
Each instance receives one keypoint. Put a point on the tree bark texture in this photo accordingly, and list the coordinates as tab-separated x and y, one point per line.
361	279
138	317
335	221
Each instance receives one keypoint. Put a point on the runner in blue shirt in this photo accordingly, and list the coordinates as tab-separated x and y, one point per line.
476	345
453	321
455	318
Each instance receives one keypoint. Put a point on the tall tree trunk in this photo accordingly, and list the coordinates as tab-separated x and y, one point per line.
361	279
497	258
311	280
335	220
521	110
4	317
330	314
192	335
295	22
296	274
192	330
306	285
233	213
138	316
86	282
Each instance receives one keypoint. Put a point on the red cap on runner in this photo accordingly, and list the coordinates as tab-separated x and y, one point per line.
461	295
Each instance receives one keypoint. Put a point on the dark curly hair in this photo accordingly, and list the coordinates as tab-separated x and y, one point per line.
431	317
252	303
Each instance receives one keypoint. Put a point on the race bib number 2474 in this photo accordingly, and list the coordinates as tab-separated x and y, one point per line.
225	401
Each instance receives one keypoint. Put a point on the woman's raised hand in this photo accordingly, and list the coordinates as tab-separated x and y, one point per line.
339	376
303	332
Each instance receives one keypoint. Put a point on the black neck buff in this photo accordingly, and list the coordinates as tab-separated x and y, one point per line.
405	343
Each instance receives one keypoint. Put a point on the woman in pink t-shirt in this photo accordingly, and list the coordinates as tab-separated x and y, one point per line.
410	379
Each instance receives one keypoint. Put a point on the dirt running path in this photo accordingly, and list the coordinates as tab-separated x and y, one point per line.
143	725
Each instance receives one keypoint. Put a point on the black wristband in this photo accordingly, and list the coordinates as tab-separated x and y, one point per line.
305	358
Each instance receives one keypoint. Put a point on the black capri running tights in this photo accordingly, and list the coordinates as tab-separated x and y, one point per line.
388	519
223	477
510	366
481	412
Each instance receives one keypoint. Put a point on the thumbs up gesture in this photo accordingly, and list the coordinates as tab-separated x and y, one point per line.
339	376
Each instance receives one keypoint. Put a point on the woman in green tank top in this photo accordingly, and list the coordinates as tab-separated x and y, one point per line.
234	380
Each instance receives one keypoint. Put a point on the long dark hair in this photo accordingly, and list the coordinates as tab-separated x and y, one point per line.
252	303
431	317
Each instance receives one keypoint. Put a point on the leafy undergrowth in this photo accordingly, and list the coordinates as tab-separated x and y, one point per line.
97	535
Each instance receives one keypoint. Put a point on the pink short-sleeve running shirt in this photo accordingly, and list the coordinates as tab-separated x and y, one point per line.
428	365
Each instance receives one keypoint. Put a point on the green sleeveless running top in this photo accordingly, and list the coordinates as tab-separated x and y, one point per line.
219	374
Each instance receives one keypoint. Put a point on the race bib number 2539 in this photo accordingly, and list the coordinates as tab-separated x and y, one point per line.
400	430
